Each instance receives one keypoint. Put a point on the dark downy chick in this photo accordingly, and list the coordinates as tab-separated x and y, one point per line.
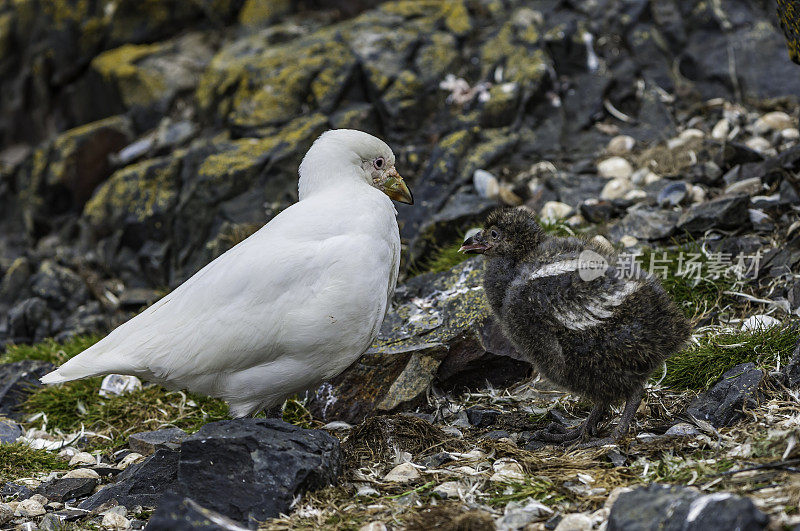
568	308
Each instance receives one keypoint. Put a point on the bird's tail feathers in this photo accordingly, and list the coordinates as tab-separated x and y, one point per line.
94	361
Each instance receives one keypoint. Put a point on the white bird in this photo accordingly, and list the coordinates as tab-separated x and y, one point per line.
286	309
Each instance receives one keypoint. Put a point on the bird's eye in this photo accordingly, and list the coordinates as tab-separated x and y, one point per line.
378	163
494	234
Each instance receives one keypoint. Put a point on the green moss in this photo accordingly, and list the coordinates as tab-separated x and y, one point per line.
701	365
539	488
49	350
20	460
442	259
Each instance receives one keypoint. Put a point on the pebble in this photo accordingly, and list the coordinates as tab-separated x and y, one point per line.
448	489
402	473
82	458
691	134
6	513
644	176
486	184
130	459
575	522
29	508
373	526
697	194
628	241
790	133
50	522
575	220
759	322
366	490
682	429
615	168
555	210
672	194
758	144
616	189
81	473
67	453
721	130
507	470
620	144
508	197
603	242
749	186
453	431
635	195
757	216
113	520
518	514
773	121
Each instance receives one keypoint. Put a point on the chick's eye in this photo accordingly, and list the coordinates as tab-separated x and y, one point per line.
378	163
494	234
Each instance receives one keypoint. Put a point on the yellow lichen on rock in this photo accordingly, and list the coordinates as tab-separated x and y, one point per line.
136	86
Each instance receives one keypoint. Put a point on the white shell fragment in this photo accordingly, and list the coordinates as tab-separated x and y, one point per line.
119	384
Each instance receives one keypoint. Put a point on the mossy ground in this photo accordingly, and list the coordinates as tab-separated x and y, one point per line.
19	460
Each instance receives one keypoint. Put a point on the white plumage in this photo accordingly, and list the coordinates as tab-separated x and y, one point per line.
292	305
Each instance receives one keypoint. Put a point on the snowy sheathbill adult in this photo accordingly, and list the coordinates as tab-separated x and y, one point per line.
289	307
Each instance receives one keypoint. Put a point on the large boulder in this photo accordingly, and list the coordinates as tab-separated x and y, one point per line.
440	330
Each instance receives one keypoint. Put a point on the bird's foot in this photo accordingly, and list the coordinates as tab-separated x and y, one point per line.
557	433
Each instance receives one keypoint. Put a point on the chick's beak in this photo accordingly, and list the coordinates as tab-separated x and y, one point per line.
395	187
474	244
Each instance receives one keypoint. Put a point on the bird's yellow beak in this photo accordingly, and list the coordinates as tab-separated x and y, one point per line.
395	187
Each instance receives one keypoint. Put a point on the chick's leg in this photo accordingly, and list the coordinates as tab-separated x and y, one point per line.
589	427
631	405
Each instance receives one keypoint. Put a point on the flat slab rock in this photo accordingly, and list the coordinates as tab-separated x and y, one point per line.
722	404
251	469
65	489
147	442
674	508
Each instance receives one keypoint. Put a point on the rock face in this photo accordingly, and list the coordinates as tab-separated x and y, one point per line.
182	514
252	469
662	507
16	382
439	330
722	405
148	442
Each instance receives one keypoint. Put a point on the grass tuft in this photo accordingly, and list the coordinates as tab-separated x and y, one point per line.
18	460
49	350
702	364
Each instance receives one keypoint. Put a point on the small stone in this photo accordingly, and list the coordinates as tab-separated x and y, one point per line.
736	390
758	144
635	195
697	194
119	384
603	242
29	508
366	490
402	473
40	498
628	241
692	134
453	431
672	194
643	177
620	144
482	418
130	459
749	186
721	130
575	522
115	521
616	188
147	442
80	473
50	522
67	453
485	184
682	429
373	526
448	489
790	133
615	168
555	210
438	459
759	322
64	489
10	431
82	458
508	197
773	121
6	513
518	514
507	470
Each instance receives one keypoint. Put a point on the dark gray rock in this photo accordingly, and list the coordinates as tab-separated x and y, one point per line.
251	469
792	369
61	490
9	431
673	508
140	484
17	381
646	223
30	320
13	492
438	459
176	513
147	442
724	213
482	418
722	405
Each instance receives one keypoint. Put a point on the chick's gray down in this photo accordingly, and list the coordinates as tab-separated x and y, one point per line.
586	323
